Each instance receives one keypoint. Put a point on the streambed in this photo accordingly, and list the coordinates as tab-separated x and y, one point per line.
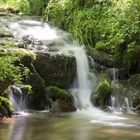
73	126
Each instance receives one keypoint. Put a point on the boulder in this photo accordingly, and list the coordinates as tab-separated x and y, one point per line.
55	93
62	106
56	69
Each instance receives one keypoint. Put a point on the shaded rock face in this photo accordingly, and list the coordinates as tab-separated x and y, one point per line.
58	70
62	106
102	58
38	99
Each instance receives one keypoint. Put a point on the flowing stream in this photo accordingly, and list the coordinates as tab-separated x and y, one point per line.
88	123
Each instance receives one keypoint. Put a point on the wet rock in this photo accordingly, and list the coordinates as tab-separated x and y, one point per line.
102	58
137	109
62	106
56	69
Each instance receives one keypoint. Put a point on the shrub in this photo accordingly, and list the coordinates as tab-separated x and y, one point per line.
101	97
6	108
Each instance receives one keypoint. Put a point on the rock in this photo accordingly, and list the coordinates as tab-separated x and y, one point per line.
38	99
55	93
5	33
137	109
102	58
62	106
56	69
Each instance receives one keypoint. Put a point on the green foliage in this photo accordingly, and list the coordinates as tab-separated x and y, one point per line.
56	93
101	97
37	7
101	46
11	64
7	44
100	20
8	70
6	107
26	88
8	3
24	6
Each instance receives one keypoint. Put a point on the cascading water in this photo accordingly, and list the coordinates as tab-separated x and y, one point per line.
43	32
85	80
16	96
121	99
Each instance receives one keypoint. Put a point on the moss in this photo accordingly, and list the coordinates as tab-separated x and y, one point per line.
56	93
21	53
6	108
27	89
101	97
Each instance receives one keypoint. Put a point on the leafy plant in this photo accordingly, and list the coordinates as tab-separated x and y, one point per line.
24	6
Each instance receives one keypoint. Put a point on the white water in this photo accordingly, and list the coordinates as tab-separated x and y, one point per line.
16	96
85	80
120	100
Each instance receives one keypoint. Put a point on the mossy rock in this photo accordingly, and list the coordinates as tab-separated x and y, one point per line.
21	53
38	99
55	93
102	94
6	108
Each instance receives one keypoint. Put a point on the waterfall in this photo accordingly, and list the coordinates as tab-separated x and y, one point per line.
121	100
85	80
17	98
